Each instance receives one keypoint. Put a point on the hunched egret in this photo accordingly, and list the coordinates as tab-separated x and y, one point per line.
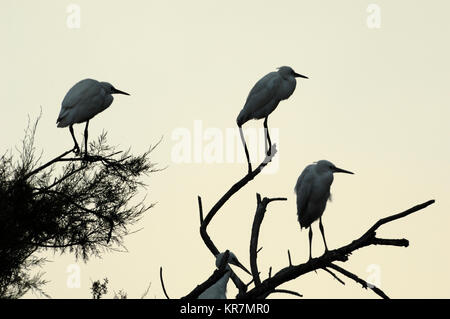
219	289
264	98
313	192
82	102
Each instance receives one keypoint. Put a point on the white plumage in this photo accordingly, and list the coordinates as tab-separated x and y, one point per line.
313	192
82	102
219	289
264	98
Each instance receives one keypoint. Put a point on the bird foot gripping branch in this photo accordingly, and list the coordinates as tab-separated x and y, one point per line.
82	102
313	192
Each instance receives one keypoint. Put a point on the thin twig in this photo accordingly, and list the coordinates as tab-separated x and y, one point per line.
364	283
289	257
250	282
87	210
233	190
200	209
341	254
146	291
334	275
56	159
217	274
162	282
399	215
213	211
284	291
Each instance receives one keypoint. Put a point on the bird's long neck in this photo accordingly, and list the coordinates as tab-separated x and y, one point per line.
221	284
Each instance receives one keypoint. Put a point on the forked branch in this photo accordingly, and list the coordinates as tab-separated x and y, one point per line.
328	258
213	211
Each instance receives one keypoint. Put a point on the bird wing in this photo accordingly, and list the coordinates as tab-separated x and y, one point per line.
85	92
262	93
303	190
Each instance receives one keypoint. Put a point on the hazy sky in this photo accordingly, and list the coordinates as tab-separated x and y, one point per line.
376	103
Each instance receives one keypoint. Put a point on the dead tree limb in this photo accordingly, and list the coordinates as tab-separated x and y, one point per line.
284	291
365	284
341	254
217	274
261	207
334	275
162	283
263	289
213	211
233	190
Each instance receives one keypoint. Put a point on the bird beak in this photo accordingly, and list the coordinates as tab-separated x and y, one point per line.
300	76
236	262
116	91
340	170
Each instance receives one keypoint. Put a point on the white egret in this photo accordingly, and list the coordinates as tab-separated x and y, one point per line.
84	100
313	192
219	289
264	98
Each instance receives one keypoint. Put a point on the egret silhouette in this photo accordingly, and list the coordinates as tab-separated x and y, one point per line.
219	289
84	100
264	98
313	192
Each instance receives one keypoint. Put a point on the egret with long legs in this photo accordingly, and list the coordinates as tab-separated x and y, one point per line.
313	192
263	99
82	102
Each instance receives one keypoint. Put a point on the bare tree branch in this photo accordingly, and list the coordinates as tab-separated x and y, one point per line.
262	289
146	291
53	161
200	209
340	254
162	283
284	291
217	274
213	211
289	258
261	206
365	285
233	190
333	275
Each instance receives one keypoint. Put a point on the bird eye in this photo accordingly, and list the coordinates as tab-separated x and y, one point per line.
331	166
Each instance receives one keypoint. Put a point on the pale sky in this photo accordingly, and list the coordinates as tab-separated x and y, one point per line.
376	103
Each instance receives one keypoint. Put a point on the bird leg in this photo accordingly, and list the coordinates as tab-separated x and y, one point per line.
310	242
266	134
323	234
245	148
76	148
86	139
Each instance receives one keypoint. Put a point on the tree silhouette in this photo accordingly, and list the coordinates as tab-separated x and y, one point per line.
261	289
98	289
82	205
